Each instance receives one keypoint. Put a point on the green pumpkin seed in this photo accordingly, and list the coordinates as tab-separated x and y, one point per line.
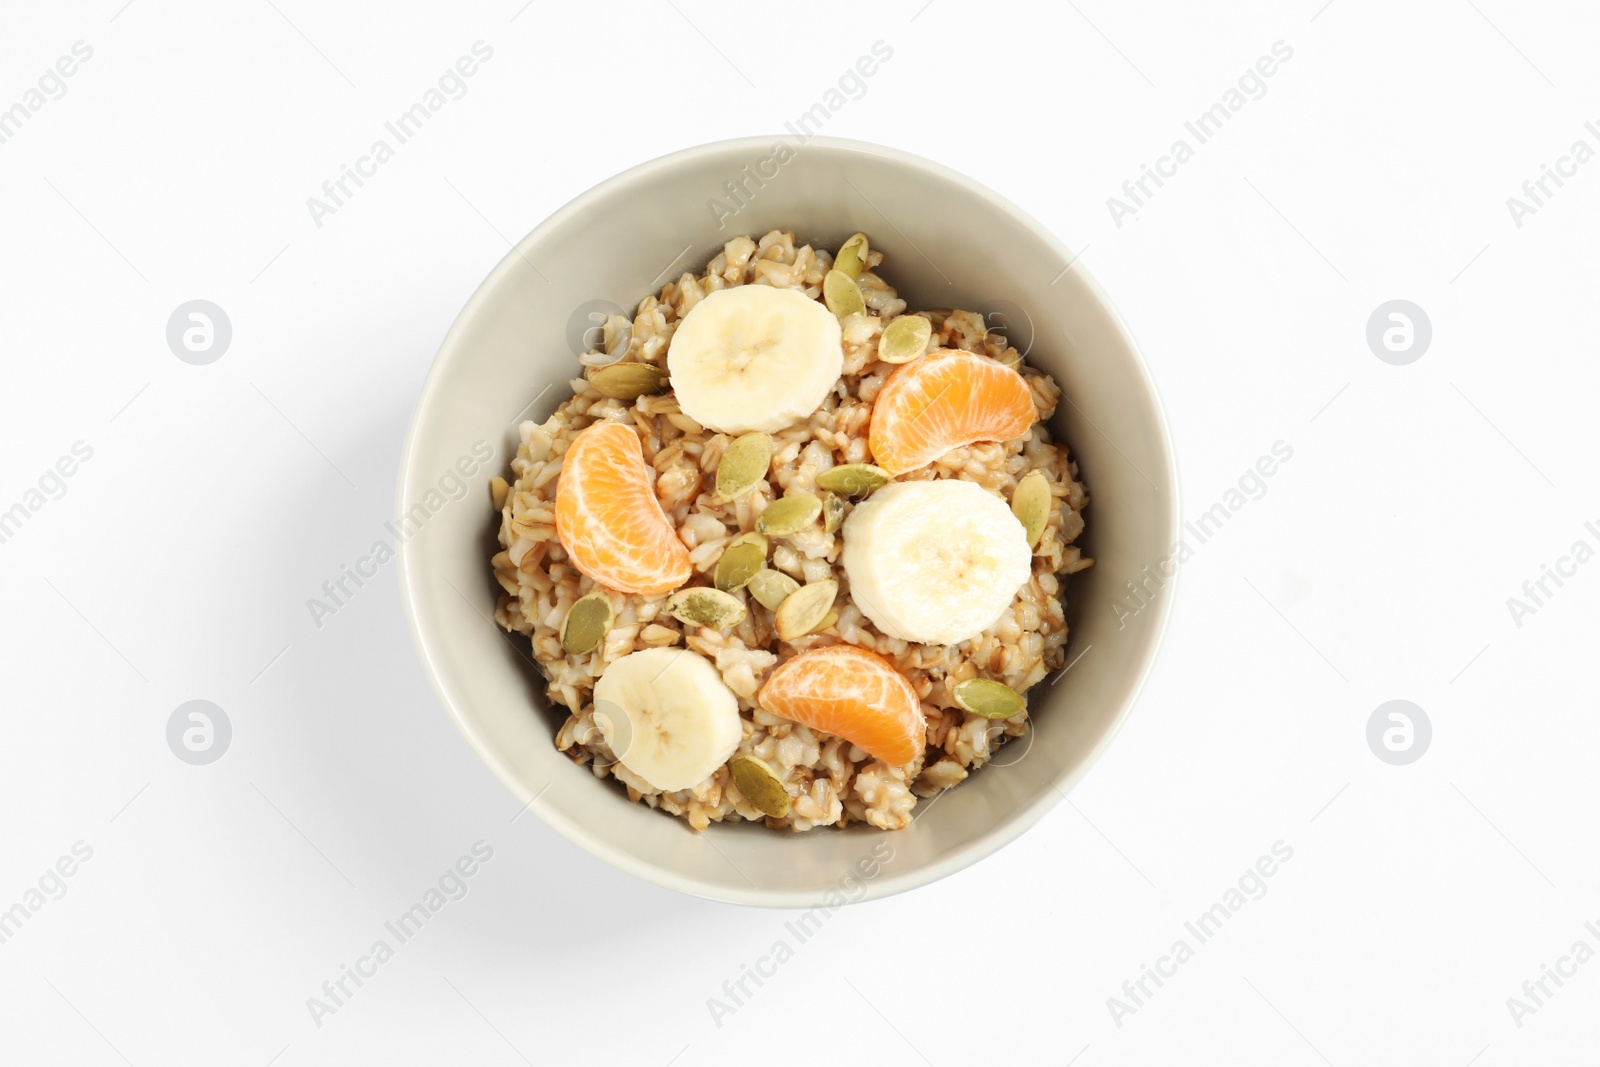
852	257
760	785
771	588
587	623
1031	503
905	339
827	620
842	295
744	464
832	512
854	479
805	609
628	381
790	515
744	555
703	606
988	698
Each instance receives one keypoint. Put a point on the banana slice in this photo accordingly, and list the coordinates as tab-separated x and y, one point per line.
754	358
668	716
935	562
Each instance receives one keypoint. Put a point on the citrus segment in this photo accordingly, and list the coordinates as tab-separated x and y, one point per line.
946	400
856	694
608	517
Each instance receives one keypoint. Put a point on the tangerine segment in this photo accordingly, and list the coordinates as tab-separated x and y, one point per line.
608	517
945	400
856	694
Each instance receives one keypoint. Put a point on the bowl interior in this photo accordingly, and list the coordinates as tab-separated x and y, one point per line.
949	243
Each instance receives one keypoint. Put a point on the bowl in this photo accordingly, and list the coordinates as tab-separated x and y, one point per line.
950	242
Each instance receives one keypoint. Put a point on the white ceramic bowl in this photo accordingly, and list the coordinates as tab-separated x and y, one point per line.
950	243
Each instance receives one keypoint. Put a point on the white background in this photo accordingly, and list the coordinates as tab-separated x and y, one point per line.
1377	566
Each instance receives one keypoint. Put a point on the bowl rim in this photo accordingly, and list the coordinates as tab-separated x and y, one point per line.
888	883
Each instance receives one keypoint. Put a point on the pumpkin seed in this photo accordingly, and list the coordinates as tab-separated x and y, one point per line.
628	381
498	491
760	785
832	512
744	464
1031	503
852	257
587	623
771	588
905	339
804	609
790	515
988	698
854	479
842	295
827	620
704	606
744	555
